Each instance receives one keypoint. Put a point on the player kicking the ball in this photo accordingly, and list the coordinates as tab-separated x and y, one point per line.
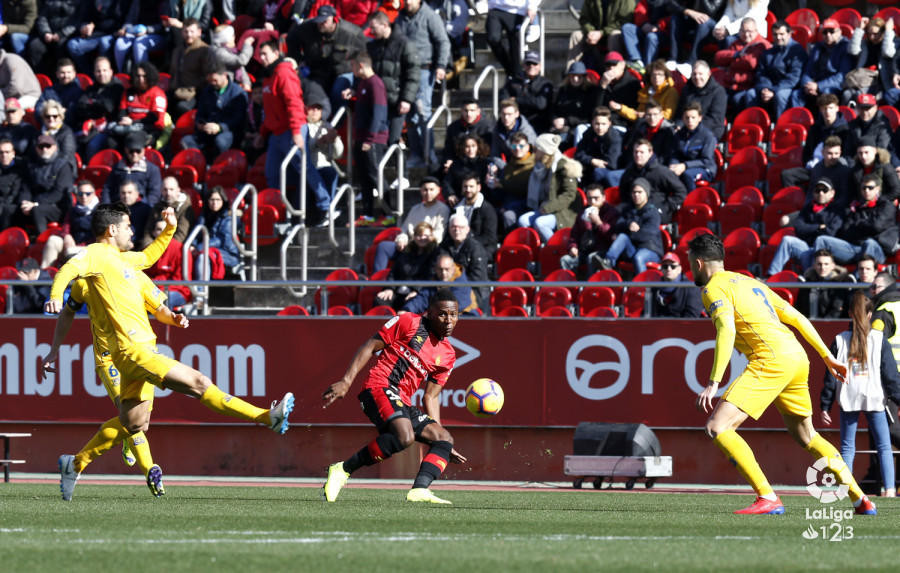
414	349
750	317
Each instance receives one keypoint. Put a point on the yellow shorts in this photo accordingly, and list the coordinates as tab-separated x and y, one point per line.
142	367
785	382
109	375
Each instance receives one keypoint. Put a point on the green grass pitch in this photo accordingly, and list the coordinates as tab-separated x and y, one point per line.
285	529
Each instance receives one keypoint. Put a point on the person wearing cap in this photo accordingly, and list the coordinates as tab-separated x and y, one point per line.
637	234
508	124
12	180
20	132
18	80
221	116
642	36
532	91
694	156
869	228
600	150
553	201
600	29
46	195
616	89
572	104
778	71
675	302
504	20
711	96
134	167
666	191
736	64
142	33
869	122
591	234
824	215
692	23
870	160
828	63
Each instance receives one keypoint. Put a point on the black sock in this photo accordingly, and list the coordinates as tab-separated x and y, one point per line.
433	464
379	449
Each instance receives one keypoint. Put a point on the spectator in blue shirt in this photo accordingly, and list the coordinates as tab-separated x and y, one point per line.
694	156
828	63
221	115
778	72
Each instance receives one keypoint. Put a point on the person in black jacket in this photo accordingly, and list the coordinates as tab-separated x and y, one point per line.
47	197
639	238
711	96
666	190
21	133
675	302
616	88
481	215
600	149
470	122
12	181
221	116
100	22
824	215
57	21
870	122
694	156
830	302
97	108
134	167
871	161
692	22
468	253
572	105
532	91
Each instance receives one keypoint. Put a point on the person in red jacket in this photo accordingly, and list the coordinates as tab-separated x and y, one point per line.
285	126
737	71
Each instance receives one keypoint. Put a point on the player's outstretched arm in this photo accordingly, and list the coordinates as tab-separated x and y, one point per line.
77	266
148	257
793	317
165	315
63	325
340	388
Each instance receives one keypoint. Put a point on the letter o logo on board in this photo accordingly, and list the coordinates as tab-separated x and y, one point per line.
579	372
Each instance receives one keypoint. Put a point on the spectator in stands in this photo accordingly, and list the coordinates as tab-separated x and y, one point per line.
873	161
866	269
226	54
323	45
53	116
508	189
468	253
176	14
532	91
216	218
869	122
472	157
12	181
19	17
870	228
134	167
76	226
655	128
642	39
660	88
711	96
666	191
738	62
572	105
97	108
57	21
599	150
139	210
414	263
694	156
324	143
422	26
430	210
692	22
553	200
509	122
446	270
45	197
504	20
826	67
830	302
170	267
470	122
824	215
778	72
29	299
638	236
143	107
591	234
872	50
172	196
829	122
355	11
617	89
142	33
100	22
221	116
479	212
189	67
18	80
396	61
728	28
833	166
21	133
675	302
601	23
65	89
371	130
275	16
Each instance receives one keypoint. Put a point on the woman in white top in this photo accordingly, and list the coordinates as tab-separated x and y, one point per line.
872	374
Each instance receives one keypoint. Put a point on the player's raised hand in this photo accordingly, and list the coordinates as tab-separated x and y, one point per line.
181	321
52	306
47	363
705	398
169	217
837	369
335	392
456	457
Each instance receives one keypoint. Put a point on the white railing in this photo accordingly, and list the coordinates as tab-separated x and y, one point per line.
435	116
395	148
523	32
495	86
253	252
344	190
301	212
199	294
304	257
344	110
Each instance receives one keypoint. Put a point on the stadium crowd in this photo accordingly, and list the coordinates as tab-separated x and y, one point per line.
771	125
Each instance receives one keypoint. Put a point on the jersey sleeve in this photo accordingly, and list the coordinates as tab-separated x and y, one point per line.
793	317
148	257
720	308
153	296
395	328
78	266
76	295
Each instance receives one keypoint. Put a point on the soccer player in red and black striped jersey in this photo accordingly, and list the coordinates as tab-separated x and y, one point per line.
414	349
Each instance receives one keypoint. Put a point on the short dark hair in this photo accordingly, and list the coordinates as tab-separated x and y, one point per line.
508	102
779	24
361	57
105	215
871	178
643	141
469	101
827	99
381	16
593	186
430	179
886	275
693	106
601	111
442	295
823	253
707	247
191	22
469	174
867	257
7	140
149	69
832	141
652	104
63	62
272	45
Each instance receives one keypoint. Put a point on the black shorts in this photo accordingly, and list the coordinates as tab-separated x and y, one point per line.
382	405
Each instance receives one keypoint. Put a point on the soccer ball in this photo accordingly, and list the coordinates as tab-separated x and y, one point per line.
484	397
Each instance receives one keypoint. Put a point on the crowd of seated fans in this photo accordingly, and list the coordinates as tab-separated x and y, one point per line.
101	97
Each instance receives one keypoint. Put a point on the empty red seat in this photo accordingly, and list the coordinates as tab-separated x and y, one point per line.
108	157
799	115
513	257
382	310
519	275
525	236
13	246
552	252
550	296
293	310
512	311
557	311
754	116
592	297
741	248
610	276
786	136
339	295
743	136
634	296
785	276
602	312
503	297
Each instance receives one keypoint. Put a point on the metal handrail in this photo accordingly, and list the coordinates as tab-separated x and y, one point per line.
345	110
435	115
253	252
301	212
345	189
523	31
495	82
304	257
199	293
395	148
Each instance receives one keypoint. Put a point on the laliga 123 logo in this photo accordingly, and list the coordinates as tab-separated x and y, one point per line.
820	481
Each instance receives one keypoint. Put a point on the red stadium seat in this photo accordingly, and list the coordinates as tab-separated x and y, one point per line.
845	16
803	17
84	81
339	295
786	136
889	13
556	247
155	157
743	209
44	81
184	126
196	201
743	175
503	297
602	312
36	248
692	216
742	136
786	277
6	273
848	112
257	174
107	157
634	296
799	115
340	310
512	311
612	195
741	248
563	275
611	276
513	257
382	310
185	174
13	246
165	80
705	196
592	297
193	158
892	115
293	310
793	196
767	252
366	299
97	175
754	116
229	169
525	236
519	275
557	311
802	35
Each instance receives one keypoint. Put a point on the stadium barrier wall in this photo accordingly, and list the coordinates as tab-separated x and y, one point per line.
555	373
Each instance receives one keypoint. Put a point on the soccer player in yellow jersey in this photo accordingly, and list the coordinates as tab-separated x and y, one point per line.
112	280
750	317
136	448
